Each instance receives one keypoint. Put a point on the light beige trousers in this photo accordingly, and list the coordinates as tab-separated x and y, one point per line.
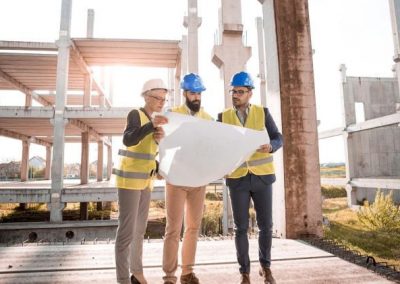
132	223
182	201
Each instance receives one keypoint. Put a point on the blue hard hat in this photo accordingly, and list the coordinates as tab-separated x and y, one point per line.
193	83
242	79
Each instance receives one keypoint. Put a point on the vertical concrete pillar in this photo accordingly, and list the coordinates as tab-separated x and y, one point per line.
28	100
261	60
273	103
109	159
184	69
84	172
177	89
99	172
102	84
299	121
171	87
349	117
87	91
395	16
100	160
24	165
230	56
25	160
57	166
48	163
90	23
192	22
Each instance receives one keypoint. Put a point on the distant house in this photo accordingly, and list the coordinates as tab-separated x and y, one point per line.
10	170
37	162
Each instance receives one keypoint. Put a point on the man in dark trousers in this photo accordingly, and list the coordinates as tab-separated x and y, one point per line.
253	179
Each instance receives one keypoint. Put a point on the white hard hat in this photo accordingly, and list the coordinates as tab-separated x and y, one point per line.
154	84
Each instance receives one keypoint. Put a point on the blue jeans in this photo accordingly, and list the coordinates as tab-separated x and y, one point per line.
260	191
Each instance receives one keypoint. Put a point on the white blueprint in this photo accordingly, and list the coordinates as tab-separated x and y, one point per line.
195	152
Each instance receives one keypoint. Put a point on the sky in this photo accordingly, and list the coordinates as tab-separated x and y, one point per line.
356	33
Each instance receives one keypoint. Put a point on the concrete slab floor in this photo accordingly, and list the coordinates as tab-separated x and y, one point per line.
293	262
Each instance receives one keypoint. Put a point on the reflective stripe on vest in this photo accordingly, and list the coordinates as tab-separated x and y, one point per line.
253	163
142	156
137	163
134	175
259	163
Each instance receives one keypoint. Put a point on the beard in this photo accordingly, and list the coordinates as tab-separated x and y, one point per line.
194	105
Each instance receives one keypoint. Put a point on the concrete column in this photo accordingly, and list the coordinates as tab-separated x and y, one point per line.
90	23
48	163
349	117
230	56
87	91
109	160
299	121
28	100
84	172
25	160
100	160
274	105
177	84
171	87
192	22
99	172
395	16
184	70
261	60
102	84
57	166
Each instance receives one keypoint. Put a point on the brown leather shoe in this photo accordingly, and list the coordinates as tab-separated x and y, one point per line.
189	279
265	272
245	278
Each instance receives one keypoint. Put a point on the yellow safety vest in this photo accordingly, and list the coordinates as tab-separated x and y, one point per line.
258	163
183	109
137	164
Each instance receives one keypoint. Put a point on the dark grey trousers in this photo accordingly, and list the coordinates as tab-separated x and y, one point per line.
241	191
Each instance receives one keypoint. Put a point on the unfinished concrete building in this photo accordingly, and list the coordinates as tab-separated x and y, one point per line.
371	131
68	66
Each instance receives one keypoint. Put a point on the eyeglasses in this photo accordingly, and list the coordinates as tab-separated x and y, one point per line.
158	98
239	92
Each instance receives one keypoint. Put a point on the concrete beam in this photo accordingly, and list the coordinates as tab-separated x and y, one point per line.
15	135
42	195
79	113
374	123
28	45
24	89
31	112
381	183
299	119
331	133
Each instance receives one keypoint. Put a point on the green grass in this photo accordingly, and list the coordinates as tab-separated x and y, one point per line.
347	229
333	172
